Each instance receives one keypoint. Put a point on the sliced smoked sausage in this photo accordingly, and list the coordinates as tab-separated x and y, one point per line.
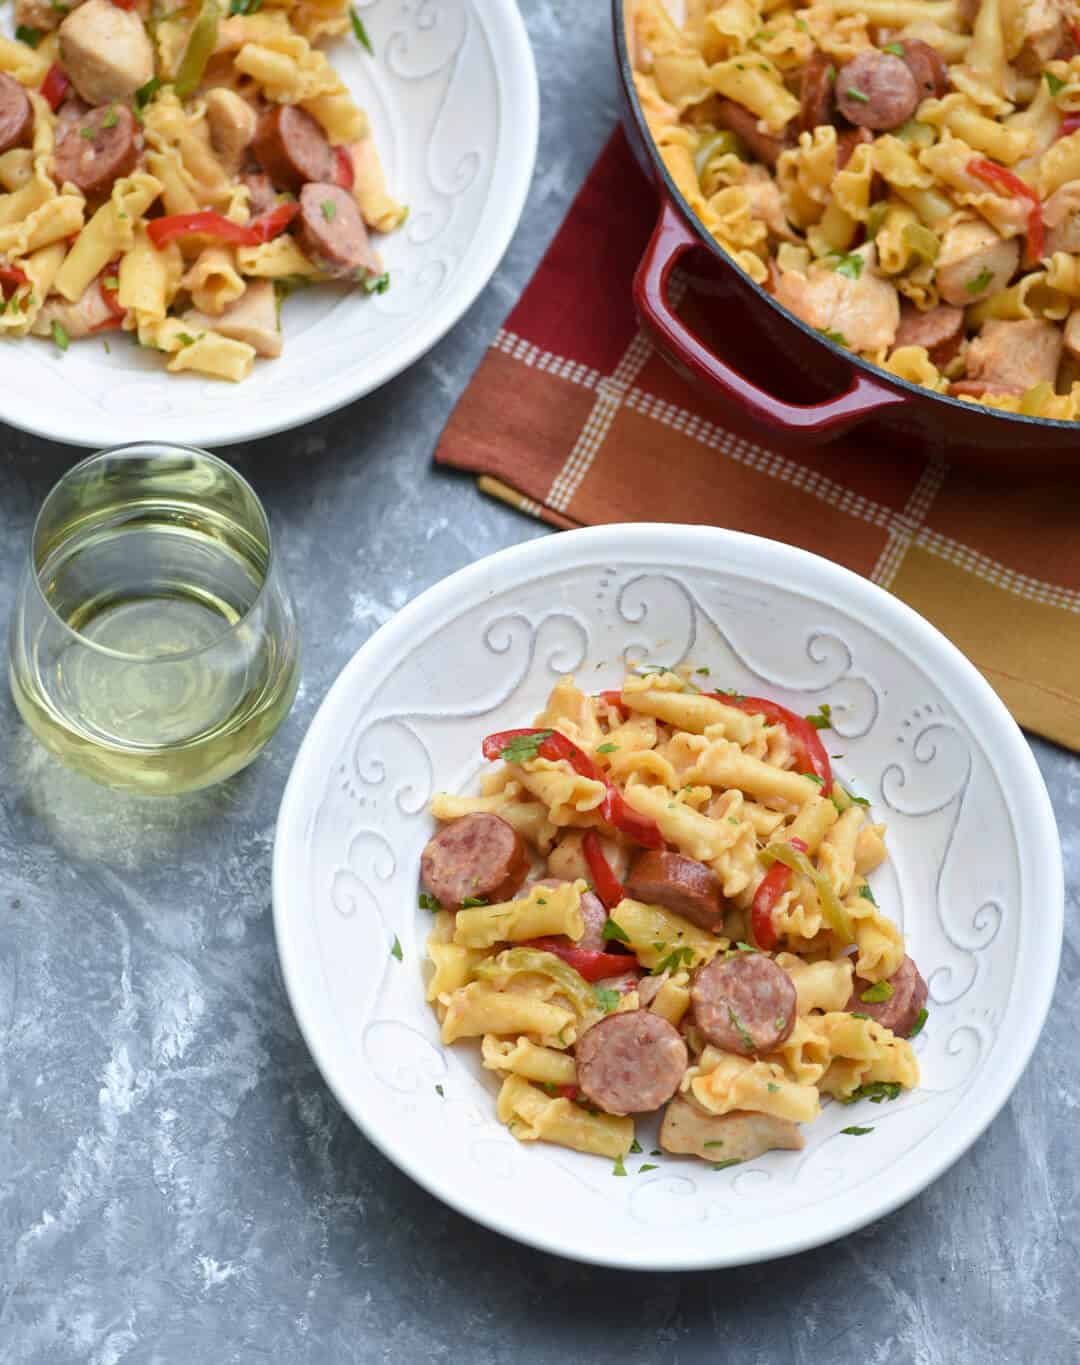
876	90
940	330
687	887
479	855
97	150
630	1063
817	91
744	1004
927	66
901	1011
332	232
765	146
16	114
292	148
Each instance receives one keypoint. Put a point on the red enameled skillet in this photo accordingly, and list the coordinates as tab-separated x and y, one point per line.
863	393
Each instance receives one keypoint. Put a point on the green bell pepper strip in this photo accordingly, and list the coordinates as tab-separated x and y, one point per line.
835	912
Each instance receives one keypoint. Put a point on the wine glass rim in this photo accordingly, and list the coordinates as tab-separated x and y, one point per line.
152	448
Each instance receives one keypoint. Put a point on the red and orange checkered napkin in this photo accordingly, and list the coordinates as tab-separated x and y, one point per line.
573	417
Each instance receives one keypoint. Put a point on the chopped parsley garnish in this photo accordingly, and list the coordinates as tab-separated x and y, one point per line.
856	1015
656	1152
802	25
87	134
395	951
620	1169
897	49
635	1147
185	339
111	282
606	748
674	960
552	1090
439	1091
854	1131
780	1022
830	334
716	1142
112	118
522	748
740	1028
744	947
606	999
703	671
60	336
822	717
723	1165
772	1087
428	902
473	902
647	1166
329	209
146	93
611	930
365	42
813	777
879	991
1054	83
108	348
30	36
875	1092
858	95
244	6
866	893
849	264
920	1020
978	282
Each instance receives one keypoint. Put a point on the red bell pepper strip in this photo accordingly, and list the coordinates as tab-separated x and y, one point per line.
1070	123
998	177
590	963
613	697
11	278
566	1092
345	176
554	746
55	86
605	883
772	887
109	295
810	755
206	223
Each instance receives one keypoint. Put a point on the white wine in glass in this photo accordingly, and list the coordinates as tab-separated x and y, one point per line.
154	644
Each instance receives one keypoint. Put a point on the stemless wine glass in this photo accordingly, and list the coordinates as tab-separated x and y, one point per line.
154	643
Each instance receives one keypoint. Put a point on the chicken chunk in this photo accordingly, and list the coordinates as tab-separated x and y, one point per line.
974	262
1044	28
78	319
940	331
252	318
1012	357
766	204
1061	214
232	124
105	51
739	1136
863	313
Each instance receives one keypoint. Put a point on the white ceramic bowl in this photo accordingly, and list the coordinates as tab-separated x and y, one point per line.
975	879
452	97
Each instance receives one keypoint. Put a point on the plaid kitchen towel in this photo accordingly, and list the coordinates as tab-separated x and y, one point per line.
572	417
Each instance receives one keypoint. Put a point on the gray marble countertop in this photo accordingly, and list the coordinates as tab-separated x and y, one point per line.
176	1183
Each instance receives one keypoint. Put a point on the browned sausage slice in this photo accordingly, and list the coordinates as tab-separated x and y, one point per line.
901	1011
97	150
263	195
744	1004
926	65
631	1063
876	90
687	887
940	330
479	856
292	148
332	231
817	91
765	146
592	911
16	114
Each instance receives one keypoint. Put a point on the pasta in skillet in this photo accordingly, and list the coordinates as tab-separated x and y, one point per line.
903	175
659	901
172	171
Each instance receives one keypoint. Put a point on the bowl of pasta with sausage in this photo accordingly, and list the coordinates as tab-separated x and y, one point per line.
667	898
228	217
891	188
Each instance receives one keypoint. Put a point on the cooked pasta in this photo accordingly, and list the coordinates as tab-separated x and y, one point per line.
903	175
660	901
174	171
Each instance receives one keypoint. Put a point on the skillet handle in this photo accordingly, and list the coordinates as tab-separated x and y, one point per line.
671	239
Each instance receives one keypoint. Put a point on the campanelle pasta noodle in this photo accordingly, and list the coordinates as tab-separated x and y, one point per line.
903	175
159	163
695	934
